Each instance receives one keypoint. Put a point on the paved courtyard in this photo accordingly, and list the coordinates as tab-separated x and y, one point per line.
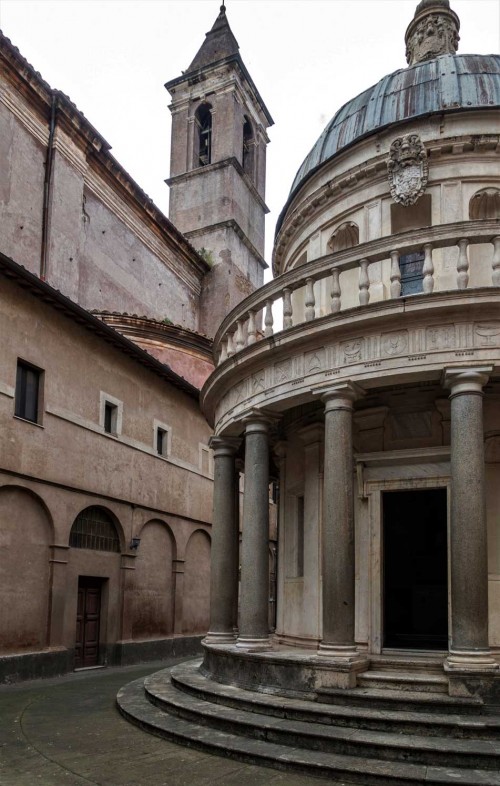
67	732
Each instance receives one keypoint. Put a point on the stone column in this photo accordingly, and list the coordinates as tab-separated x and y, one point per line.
280	452
223	555
254	626
236	542
338	536
469	648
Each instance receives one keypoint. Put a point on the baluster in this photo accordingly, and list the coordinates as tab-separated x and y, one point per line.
496	261
364	283
428	269
251	331
287	308
463	264
335	293
395	275
240	338
230	345
268	319
310	300
223	351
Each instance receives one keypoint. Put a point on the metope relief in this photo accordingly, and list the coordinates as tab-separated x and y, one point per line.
314	361
487	334
352	351
407	169
394	343
282	372
258	382
442	337
240	392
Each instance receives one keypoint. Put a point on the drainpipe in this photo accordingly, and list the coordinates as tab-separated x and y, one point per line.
49	162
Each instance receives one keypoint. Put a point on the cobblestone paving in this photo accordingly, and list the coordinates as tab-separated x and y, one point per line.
67	732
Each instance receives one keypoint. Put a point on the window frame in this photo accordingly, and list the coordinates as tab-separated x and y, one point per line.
106	403
166	431
21	392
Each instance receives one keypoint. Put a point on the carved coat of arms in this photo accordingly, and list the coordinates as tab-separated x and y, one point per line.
408	169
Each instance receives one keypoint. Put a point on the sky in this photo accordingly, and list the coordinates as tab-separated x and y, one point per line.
306	57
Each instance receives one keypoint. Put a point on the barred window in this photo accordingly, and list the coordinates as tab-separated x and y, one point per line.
94	529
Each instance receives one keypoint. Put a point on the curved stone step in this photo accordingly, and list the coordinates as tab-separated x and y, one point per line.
383	745
187	677
402	681
414	701
134	705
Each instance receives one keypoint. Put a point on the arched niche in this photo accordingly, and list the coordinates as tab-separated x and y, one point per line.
248	155
152	606
345	236
203	135
485	204
196	608
26	532
95	529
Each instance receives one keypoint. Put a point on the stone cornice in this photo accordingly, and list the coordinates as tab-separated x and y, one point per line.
230	224
171	335
201	74
226	162
398	341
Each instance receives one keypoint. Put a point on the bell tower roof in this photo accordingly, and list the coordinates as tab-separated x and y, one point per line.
219	43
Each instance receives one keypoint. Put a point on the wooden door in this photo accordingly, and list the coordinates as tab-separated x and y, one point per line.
87	622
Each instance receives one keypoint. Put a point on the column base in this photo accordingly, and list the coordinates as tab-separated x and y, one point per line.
253	644
471	662
345	653
215	637
342	665
470	672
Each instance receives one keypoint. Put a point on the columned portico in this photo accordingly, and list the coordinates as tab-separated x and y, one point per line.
224	574
469	648
254	624
338	532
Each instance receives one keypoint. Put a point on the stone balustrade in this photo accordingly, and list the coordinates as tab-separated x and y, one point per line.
240	329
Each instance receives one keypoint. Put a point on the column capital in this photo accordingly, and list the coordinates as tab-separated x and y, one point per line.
259	420
224	446
469	380
341	396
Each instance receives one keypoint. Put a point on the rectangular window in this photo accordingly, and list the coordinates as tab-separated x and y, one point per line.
412	273
27	391
162	434
110	414
161	441
110	417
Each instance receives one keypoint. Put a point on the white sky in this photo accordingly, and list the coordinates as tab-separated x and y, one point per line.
307	58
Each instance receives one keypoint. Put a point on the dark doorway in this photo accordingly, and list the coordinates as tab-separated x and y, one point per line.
415	569
88	622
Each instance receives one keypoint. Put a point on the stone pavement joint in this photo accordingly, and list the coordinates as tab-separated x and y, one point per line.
68	732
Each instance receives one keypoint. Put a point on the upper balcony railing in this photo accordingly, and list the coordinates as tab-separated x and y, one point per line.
240	327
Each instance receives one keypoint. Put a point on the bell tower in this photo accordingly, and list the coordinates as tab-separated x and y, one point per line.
218	170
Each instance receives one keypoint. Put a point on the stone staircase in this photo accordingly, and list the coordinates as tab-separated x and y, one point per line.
397	727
